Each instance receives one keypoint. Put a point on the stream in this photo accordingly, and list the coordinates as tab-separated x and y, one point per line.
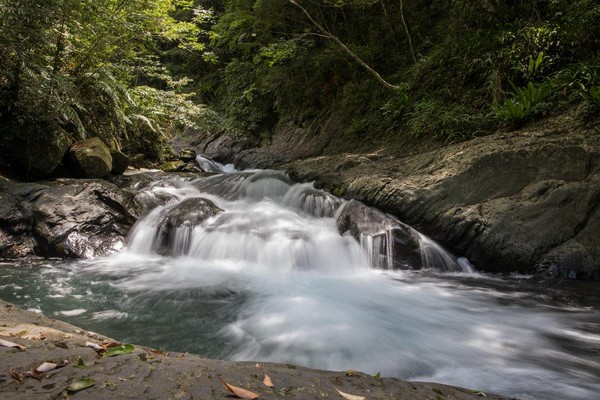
271	279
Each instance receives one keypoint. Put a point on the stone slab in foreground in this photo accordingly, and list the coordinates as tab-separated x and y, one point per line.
146	375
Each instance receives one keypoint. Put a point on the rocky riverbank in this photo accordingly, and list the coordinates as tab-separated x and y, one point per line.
520	201
151	374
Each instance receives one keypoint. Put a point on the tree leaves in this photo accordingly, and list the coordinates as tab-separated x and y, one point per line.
6	343
267	381
239	392
349	396
81	385
119	350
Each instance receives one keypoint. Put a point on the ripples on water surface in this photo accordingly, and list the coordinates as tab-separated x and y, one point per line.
267	280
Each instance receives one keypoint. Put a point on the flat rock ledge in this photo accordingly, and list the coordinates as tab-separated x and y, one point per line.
525	201
148	375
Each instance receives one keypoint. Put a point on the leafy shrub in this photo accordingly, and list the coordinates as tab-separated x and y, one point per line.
524	102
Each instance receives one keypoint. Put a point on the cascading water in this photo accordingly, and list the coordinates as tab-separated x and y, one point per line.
250	266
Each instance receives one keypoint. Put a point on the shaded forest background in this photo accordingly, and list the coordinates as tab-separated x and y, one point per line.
136	73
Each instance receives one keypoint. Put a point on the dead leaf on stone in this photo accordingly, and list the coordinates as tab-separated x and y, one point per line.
239	392
45	367
6	343
267	381
108	345
95	346
183	355
349	396
351	372
15	375
159	352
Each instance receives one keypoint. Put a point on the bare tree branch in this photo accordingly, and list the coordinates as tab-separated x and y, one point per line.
337	41
410	46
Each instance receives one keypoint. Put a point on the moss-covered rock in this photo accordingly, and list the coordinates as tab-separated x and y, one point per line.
172	166
90	158
35	155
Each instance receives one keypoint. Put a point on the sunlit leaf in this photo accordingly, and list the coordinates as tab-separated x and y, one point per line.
239	392
120	350
267	381
349	396
45	367
377	375
81	384
6	343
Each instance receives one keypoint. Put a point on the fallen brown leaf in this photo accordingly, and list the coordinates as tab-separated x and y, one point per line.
239	392
6	343
108	345
183	355
15	375
267	381
349	396
351	372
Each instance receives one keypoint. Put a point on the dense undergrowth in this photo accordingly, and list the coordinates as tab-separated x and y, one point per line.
134	72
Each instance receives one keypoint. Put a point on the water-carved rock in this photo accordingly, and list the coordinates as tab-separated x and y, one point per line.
175	226
394	244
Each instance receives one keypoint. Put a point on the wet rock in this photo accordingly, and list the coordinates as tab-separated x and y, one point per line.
362	221
174	228
90	158
64	218
510	201
120	162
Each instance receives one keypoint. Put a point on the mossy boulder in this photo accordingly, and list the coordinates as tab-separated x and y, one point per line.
172	166
35	155
90	158
187	155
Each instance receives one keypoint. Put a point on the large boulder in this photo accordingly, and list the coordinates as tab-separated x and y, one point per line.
173	232
35	154
90	158
120	162
64	218
526	201
394	245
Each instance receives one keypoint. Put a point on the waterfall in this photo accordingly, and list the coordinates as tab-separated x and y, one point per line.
263	218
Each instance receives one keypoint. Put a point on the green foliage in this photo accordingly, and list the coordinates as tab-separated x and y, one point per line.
524	102
593	96
449	124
